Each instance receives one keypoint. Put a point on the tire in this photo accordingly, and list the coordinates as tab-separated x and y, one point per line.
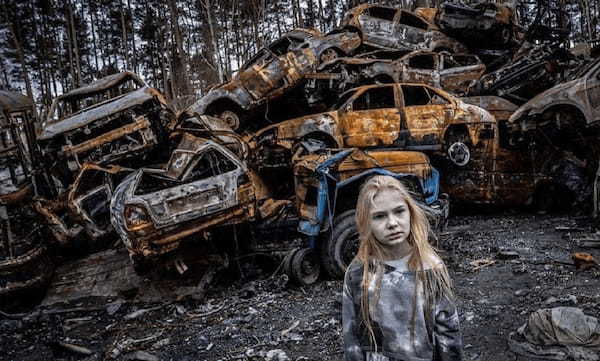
304	267
340	246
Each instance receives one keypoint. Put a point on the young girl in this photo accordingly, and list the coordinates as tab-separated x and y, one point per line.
397	300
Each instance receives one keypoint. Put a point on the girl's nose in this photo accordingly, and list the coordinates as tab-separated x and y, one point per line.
392	222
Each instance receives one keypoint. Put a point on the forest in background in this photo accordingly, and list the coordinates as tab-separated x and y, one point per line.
48	47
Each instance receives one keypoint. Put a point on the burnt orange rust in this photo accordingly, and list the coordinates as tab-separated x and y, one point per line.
140	123
17	196
493	176
378	127
59	229
427	14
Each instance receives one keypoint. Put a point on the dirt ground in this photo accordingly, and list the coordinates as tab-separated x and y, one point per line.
505	266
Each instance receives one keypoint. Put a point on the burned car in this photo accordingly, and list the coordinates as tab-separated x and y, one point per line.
392	28
402	116
115	120
327	185
484	23
536	70
570	107
454	73
272	72
82	211
24	261
202	186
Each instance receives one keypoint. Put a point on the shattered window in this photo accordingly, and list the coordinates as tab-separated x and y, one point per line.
375	98
280	46
418	95
382	13
211	164
411	20
425	61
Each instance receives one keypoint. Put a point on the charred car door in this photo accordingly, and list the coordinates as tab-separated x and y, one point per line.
207	183
411	32
427	113
421	68
378	25
263	73
371	117
459	72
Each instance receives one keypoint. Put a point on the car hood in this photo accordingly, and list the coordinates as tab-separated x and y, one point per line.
542	100
86	117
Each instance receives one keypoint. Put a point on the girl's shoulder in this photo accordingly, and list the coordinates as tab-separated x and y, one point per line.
432	261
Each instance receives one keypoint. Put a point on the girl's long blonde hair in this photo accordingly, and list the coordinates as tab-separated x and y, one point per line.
371	254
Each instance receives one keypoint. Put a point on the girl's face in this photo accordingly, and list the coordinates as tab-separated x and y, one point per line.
390	218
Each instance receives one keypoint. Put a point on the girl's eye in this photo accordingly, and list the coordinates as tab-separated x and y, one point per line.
378	216
399	211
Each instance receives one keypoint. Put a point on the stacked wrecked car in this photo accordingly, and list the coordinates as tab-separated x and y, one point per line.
271	161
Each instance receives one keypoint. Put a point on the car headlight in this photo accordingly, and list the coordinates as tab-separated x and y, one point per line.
136	217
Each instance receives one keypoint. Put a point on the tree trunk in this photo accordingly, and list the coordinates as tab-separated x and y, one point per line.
181	85
217	57
23	65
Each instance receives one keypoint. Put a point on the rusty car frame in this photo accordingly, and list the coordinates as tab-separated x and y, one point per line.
484	23
535	70
455	73
24	261
401	115
82	211
393	28
272	72
117	119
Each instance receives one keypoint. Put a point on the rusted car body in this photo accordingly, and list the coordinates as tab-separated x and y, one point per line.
482	24
572	105
402	116
498	173
24	263
454	73
272	72
536	70
115	120
82	211
203	185
392	28
327	186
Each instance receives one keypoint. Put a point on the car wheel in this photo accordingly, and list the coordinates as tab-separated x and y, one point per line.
341	245
231	118
459	153
304	267
328	55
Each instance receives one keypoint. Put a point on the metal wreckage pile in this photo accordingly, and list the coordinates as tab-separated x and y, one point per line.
272	160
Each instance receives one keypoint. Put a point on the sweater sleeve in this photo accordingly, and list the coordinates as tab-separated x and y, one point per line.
447	336
352	349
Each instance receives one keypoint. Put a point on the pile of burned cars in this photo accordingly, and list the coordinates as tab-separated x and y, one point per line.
271	162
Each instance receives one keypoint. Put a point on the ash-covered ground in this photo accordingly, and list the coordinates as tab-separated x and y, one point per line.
504	266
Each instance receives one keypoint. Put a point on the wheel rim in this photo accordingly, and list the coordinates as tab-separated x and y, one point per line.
459	153
328	55
231	118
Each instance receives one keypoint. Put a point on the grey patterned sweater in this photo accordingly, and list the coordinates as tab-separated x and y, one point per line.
435	338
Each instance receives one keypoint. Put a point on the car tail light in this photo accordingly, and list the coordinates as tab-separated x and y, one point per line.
136	217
